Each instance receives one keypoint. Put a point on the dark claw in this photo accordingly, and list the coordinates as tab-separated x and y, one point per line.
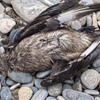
88	29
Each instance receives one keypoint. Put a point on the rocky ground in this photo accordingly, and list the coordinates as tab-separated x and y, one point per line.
15	14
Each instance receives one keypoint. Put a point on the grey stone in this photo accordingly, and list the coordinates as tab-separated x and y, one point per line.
98	15
96	63
76	25
92	92
10	82
97	69
7	1
38	83
51	98
40	95
34	89
20	77
55	90
67	86
86	2
6	94
96	1
77	86
89	20
71	82
90	78
1	9
28	9
99	23
69	94
60	98
83	20
43	74
2	50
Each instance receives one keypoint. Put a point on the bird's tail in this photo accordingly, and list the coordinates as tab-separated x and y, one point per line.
78	12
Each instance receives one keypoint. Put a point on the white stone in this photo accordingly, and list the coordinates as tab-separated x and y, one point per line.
76	25
2	50
90	78
86	2
96	1
6	25
1	9
83	20
98	15
28	9
99	23
89	20
60	98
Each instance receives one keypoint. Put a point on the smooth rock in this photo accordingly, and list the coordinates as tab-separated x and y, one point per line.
20	77
97	98
43	74
51	98
2	50
69	94
60	98
70	82
29	84
76	25
38	83
6	25
34	89
98	15
28	9
10	82
77	86
96	62
90	78
6	94
1	9
15	86
67	86
7	1
86	2
25	93
94	18
89	20
97	69
55	90
92	92
83	20
96	1
99	23
8	9
40	95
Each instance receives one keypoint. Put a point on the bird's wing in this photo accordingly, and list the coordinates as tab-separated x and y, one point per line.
54	23
63	70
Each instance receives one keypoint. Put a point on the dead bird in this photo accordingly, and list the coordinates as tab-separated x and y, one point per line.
54	18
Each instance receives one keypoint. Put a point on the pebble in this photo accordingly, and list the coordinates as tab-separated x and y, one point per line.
40	95
10	82
97	69
2	50
89	20
20	77
96	1
60	98
8	9
95	23
34	89
92	92
69	94
7	1
25	93
55	90
43	74
28	9
98	15
6	25
15	86
76	25
86	2
99	23
6	94
90	78
51	98
71	82
96	62
83	20
38	83
77	86
29	84
67	86
1	9
97	98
